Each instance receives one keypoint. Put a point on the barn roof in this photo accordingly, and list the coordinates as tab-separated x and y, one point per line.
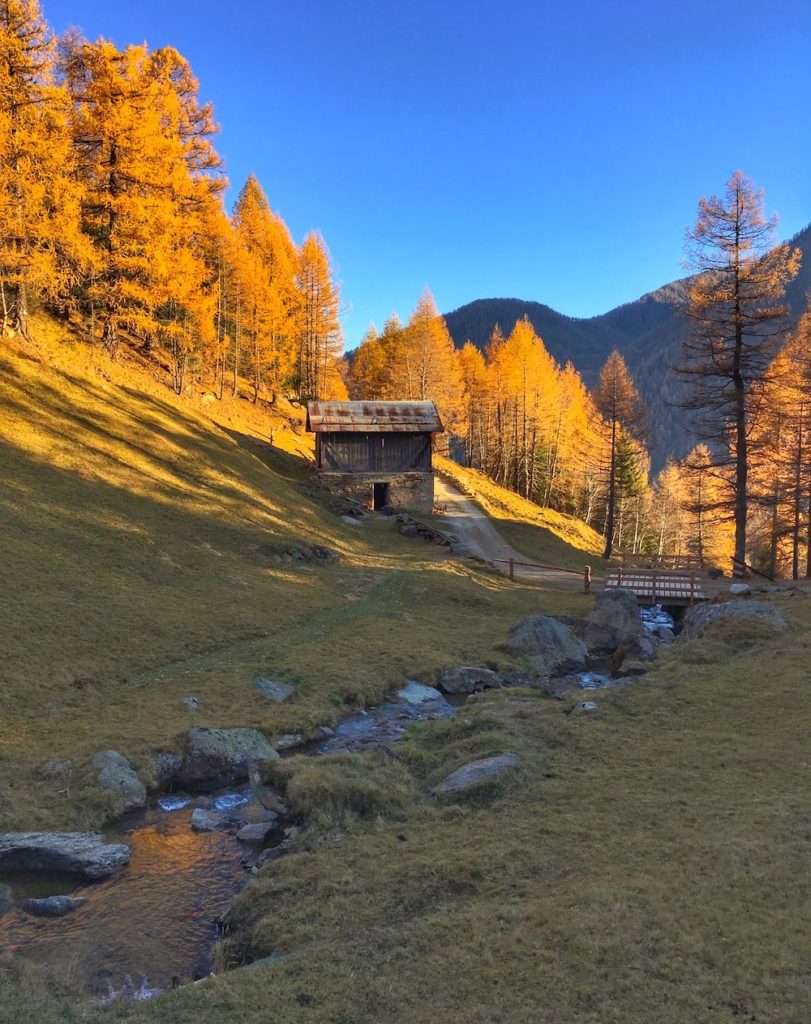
373	417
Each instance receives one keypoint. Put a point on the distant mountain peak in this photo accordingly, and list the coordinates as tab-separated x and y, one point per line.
648	331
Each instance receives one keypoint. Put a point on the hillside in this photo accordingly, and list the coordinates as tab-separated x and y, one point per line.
648	332
158	547
641	864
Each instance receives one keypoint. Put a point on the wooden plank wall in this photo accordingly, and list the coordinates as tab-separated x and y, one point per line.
375	453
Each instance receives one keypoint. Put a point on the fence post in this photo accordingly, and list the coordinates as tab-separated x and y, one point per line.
587	579
512	569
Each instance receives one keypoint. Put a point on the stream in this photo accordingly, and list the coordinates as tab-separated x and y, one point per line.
153	925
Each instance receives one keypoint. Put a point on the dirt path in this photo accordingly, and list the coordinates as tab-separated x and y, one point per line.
479	538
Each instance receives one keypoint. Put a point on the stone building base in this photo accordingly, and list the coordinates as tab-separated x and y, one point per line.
412	491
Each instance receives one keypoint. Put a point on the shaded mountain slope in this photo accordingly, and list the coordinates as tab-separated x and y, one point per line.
648	332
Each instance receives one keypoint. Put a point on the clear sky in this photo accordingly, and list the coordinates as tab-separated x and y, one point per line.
549	150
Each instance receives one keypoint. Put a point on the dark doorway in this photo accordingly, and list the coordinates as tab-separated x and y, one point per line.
380	496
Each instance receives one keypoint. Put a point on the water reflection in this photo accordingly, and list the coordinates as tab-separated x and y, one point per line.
140	930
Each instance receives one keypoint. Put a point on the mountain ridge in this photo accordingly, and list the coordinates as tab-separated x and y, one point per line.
648	331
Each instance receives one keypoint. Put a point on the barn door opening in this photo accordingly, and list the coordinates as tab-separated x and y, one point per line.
380	496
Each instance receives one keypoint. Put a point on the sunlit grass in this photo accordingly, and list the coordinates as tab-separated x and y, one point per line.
143	552
541	534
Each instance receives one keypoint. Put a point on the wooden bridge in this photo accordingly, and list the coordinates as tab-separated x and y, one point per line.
661	579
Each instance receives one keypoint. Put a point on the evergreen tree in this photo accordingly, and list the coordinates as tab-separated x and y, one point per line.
622	408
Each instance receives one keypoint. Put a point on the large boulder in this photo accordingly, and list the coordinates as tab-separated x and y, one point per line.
547	645
220	756
477	773
701	617
74	853
466	679
119	778
614	620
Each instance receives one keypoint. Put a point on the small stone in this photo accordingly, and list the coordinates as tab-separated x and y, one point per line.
203	820
483	772
323	732
351	521
257	832
191	702
54	906
273	689
586	705
740	589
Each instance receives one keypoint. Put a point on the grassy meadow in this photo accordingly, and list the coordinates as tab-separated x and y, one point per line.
646	863
144	560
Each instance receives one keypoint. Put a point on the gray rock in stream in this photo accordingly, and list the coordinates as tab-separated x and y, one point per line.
220	756
632	656
478	773
467	679
256	832
204	820
119	778
54	906
614	620
547	645
75	853
417	693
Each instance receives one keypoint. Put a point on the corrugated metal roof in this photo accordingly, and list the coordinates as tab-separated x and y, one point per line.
373	417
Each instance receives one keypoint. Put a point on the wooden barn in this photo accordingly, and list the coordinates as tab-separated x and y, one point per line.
378	453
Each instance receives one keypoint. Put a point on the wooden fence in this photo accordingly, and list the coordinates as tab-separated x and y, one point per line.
584	573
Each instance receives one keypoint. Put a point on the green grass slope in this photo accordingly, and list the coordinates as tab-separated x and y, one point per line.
646	862
142	557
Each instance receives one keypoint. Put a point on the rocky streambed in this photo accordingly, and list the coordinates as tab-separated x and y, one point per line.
177	864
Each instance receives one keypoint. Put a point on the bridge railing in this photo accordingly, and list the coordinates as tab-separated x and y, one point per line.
585	572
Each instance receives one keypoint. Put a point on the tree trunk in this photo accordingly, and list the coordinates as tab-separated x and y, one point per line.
612	492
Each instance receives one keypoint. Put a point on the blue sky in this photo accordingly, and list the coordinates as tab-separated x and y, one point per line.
545	150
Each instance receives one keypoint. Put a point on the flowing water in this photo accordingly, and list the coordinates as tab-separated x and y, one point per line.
153	925
145	929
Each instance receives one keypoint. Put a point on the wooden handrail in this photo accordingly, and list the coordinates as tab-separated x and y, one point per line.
585	572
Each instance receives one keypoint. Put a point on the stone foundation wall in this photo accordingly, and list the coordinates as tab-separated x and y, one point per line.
412	491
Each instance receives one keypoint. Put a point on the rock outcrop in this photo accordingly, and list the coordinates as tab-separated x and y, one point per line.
75	853
547	645
479	773
701	617
120	779
221	756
